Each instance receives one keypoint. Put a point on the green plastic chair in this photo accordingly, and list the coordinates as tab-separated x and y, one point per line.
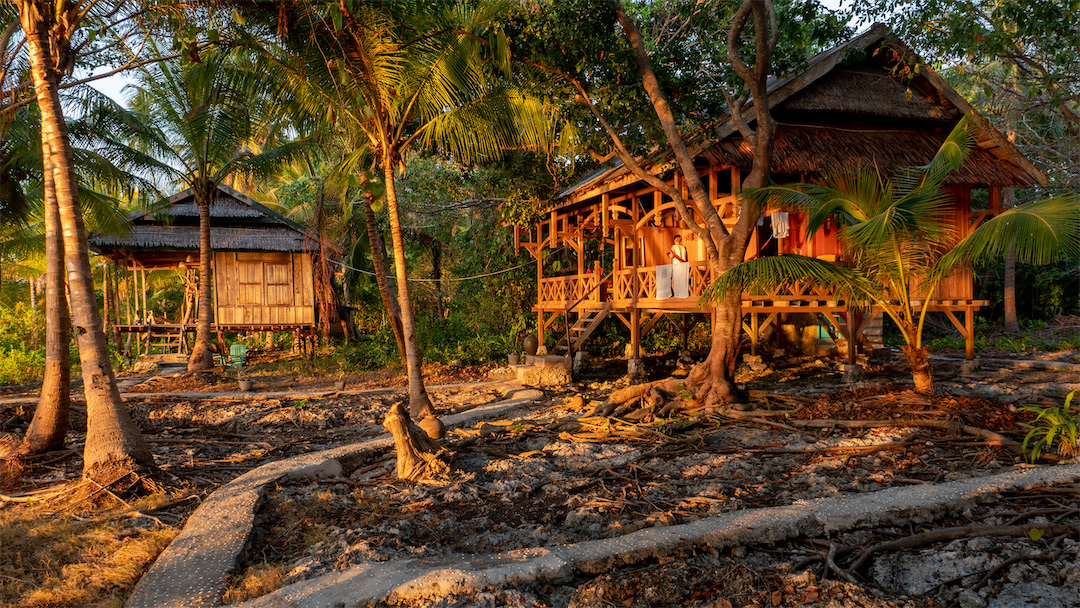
237	355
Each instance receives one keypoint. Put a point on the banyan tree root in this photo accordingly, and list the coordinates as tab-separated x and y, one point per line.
418	456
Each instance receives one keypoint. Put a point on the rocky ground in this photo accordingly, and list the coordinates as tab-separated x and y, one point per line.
552	475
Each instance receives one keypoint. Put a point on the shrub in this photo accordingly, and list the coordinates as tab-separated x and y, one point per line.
1052	423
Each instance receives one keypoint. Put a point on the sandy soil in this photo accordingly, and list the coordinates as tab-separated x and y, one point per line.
549	476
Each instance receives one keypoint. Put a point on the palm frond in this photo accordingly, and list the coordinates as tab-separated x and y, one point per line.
768	274
1040	232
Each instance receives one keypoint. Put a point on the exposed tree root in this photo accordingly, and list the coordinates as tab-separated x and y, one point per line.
947	534
633	393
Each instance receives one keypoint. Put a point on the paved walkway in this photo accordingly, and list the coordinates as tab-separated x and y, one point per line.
412	579
193	568
191	571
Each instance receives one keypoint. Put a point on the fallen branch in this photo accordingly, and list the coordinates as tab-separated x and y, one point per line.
1012	560
31	496
947	534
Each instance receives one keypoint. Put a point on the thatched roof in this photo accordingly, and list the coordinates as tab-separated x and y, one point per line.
851	105
237	223
222	238
816	149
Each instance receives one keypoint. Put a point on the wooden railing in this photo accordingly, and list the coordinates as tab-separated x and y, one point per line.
623	286
567	290
589	290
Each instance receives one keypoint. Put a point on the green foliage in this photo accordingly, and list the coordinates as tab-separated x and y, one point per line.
1054	423
581	40
371	352
1027	342
22	350
1042	292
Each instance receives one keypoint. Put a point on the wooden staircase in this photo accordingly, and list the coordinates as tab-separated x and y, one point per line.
170	342
585	325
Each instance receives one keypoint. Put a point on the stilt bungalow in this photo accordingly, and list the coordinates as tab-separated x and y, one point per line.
262	268
869	102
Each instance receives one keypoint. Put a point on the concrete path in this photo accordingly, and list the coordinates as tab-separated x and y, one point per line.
405	580
191	570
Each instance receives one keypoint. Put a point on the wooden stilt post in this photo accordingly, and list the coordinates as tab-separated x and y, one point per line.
754	331
852	329
969	333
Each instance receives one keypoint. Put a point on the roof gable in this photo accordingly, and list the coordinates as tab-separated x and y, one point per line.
846	94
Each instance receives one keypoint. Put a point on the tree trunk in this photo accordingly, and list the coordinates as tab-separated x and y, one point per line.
418	456
919	360
713	379
1009	294
419	402
113	442
201	357
378	260
50	424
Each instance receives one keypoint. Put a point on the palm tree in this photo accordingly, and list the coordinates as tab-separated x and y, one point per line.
113	442
411	75
29	195
207	114
900	241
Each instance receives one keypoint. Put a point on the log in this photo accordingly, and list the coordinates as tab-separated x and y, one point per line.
418	456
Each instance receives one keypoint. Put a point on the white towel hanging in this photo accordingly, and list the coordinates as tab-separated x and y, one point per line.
781	225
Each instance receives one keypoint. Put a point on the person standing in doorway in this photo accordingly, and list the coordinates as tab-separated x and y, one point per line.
677	253
680	269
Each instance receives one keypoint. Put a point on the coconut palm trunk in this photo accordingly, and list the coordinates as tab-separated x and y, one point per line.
113	442
50	422
393	310
419	402
201	358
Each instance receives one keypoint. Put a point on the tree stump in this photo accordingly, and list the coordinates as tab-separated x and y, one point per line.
418	456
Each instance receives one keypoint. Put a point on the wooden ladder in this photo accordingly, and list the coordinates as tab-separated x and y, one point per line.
585	325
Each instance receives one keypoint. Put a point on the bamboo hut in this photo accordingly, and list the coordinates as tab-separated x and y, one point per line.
869	102
262	270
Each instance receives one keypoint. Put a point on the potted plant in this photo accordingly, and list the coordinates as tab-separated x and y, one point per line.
340	383
245	384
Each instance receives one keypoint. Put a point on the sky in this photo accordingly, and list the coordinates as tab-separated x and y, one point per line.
112	86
